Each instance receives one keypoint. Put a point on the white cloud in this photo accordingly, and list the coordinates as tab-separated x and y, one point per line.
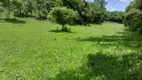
123	1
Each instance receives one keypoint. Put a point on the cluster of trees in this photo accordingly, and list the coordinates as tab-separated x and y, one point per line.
115	16
74	12
133	16
84	12
25	8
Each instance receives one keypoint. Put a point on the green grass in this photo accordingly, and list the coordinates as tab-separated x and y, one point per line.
33	50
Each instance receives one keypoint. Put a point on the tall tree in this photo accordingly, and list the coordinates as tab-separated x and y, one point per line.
9	5
101	3
42	7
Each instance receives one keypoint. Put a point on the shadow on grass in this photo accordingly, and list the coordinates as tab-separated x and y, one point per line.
110	67
102	66
15	21
133	41
106	66
60	31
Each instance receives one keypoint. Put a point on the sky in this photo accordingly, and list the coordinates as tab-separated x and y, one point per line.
116	5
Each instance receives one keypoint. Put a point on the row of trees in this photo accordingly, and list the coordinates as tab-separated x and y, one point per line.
88	12
74	12
116	16
41	8
25	8
60	11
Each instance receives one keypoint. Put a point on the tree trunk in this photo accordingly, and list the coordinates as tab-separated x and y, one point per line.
20	13
64	28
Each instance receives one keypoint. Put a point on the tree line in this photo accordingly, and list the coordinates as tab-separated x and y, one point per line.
74	12
41	8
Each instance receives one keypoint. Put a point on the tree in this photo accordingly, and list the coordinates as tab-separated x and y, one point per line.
1	10
35	8
42	8
133	17
9	4
97	12
92	13
101	3
133	20
116	16
18	8
62	16
26	8
76	5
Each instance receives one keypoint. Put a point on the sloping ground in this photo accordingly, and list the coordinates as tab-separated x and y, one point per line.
34	50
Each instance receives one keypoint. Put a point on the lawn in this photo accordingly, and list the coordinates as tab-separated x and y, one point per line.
36	50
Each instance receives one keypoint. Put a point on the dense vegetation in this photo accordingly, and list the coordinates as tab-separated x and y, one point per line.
40	8
115	16
88	12
133	18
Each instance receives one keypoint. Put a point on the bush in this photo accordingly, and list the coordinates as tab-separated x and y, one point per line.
63	16
133	20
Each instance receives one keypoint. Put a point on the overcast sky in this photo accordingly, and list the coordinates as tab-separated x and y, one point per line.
116	5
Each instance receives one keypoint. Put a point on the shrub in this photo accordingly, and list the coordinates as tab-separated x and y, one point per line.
133	20
62	16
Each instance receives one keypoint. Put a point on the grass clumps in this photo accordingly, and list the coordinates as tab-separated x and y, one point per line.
31	51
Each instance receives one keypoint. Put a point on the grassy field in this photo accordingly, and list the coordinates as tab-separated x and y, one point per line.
35	50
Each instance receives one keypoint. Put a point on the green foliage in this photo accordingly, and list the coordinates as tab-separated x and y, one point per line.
116	16
133	18
62	16
77	5
96	13
137	4
88	12
101	3
92	13
25	8
1	9
9	5
36	8
74	4
41	8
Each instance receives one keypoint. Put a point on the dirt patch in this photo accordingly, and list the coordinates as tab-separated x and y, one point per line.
115	24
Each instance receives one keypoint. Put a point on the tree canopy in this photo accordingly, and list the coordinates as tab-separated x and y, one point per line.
62	16
133	18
